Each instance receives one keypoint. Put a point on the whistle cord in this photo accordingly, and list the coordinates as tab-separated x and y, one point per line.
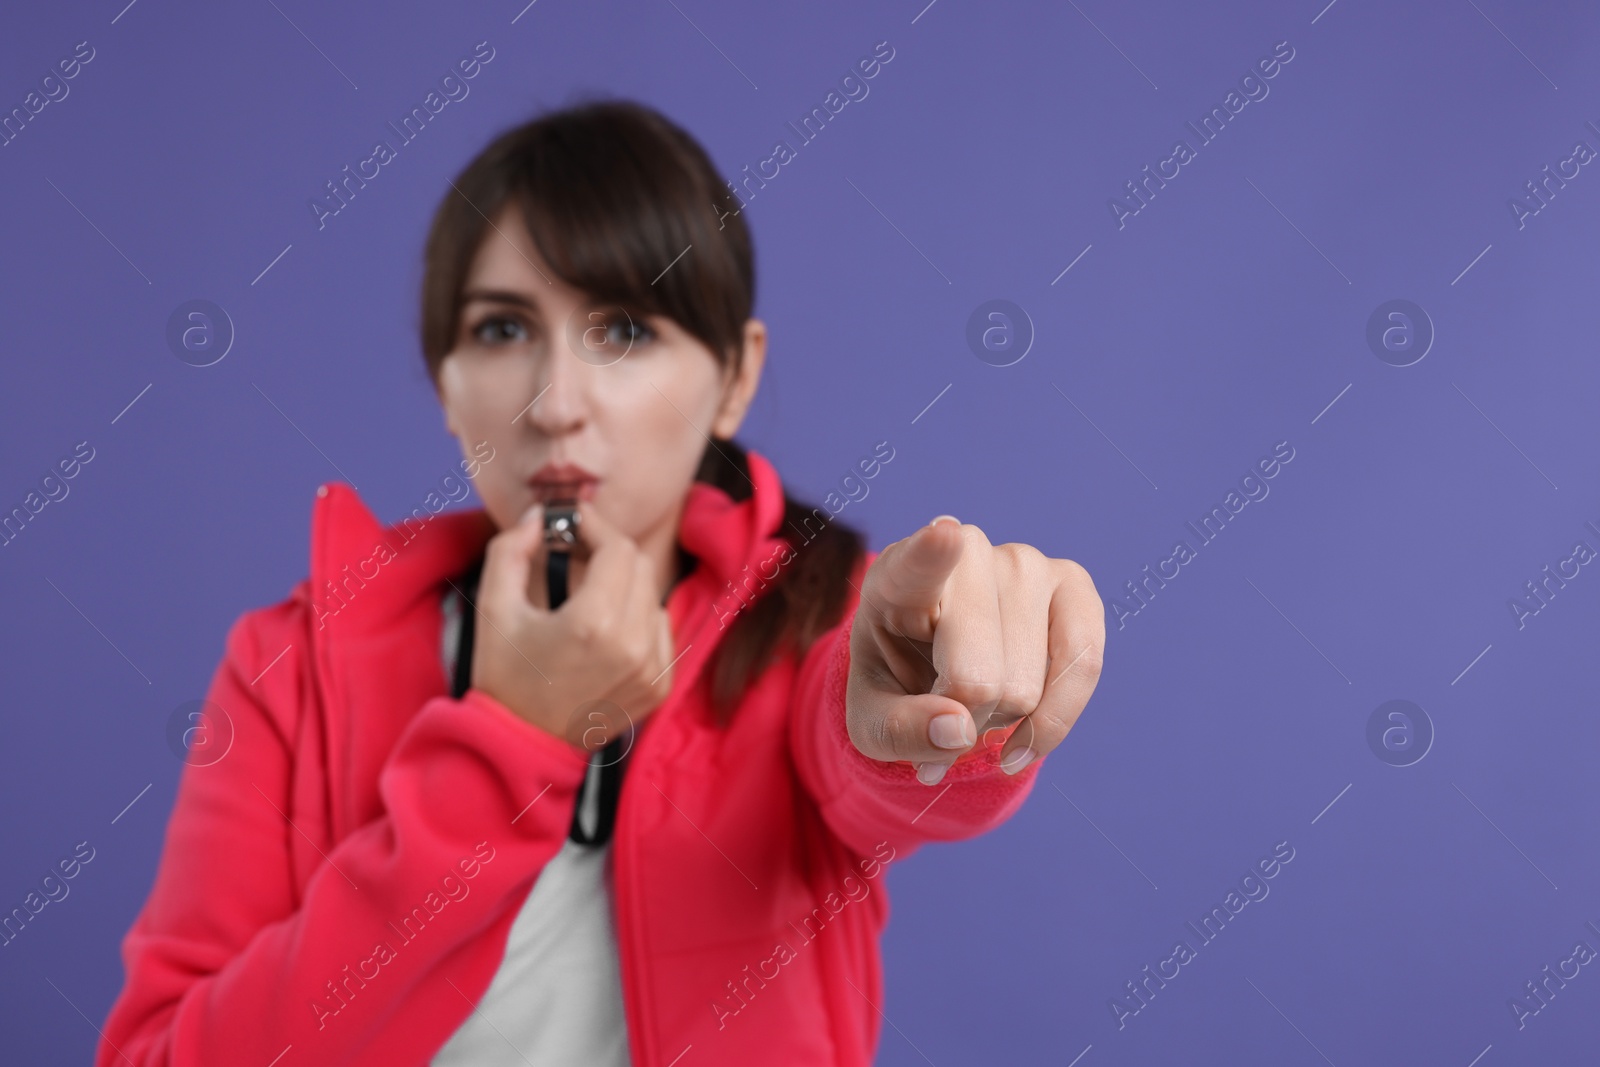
556	577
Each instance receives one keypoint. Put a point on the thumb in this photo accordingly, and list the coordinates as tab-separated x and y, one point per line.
909	576
887	725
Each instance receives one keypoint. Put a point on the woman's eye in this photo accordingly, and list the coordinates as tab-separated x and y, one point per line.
627	332
498	329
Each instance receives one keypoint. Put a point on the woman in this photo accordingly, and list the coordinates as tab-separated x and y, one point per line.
389	867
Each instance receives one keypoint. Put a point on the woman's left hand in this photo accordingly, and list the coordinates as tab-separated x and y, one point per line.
955	636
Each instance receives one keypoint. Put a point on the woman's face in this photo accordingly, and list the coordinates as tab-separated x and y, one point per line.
549	377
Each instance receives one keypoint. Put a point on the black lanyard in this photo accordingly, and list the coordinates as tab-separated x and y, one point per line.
606	766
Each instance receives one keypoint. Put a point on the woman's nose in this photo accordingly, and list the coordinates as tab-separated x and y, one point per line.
561	391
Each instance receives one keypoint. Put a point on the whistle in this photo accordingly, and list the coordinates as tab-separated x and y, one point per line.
561	523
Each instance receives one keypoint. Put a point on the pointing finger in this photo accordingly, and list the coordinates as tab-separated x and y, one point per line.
909	577
969	653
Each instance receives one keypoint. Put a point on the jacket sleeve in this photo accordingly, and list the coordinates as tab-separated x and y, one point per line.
229	962
866	801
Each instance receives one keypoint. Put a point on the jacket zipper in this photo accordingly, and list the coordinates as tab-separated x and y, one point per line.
634	961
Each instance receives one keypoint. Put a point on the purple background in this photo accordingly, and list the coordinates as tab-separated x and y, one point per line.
1221	320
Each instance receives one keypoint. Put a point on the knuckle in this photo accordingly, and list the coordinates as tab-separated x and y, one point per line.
894	735
975	692
1091	661
1056	725
981	683
879	735
637	648
874	673
1076	573
582	628
1022	558
1022	693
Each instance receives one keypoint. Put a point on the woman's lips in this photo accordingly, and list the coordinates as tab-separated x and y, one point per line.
562	481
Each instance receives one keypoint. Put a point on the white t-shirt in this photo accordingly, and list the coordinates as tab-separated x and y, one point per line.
556	998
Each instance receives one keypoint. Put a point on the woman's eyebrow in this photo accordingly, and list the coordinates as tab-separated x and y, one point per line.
498	296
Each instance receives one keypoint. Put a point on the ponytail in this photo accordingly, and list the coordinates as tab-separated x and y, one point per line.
805	599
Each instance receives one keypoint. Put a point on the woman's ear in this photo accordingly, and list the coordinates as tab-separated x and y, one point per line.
740	390
446	368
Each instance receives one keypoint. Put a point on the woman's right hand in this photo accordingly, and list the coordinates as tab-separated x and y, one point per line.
610	642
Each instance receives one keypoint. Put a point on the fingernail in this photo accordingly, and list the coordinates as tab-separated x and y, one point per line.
1018	760
945	518
931	773
951	731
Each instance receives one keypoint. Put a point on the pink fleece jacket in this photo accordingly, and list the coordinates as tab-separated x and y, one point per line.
339	888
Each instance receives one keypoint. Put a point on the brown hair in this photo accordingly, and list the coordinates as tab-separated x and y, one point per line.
611	191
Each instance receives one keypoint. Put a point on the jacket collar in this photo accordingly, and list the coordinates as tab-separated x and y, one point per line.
725	536
364	574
